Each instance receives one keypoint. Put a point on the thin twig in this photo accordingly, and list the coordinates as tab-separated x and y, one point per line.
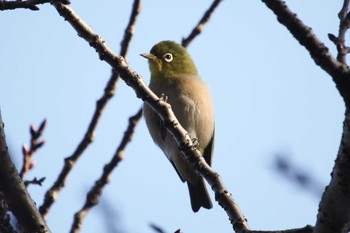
129	30
164	111
343	28
198	29
339	41
95	192
109	90
35	144
35	181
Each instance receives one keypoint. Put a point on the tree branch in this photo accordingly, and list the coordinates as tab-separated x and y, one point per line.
95	192
15	192
30	4
334	208
339	41
318	51
306	229
198	29
109	90
35	144
163	109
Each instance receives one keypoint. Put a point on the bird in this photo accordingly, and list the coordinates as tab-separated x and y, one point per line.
174	76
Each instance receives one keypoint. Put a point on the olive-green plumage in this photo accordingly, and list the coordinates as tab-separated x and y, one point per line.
174	75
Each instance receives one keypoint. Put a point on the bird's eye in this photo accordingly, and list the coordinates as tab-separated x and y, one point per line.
168	57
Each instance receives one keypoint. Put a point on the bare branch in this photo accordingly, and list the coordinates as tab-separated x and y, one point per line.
35	144
198	29
306	229
30	4
344	25
109	90
35	181
94	194
129	30
15	192
339	41
318	51
163	109
344	10
334	208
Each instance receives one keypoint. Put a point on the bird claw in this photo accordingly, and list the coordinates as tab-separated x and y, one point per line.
164	97
195	143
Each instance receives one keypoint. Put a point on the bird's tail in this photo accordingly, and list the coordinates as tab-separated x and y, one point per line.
199	195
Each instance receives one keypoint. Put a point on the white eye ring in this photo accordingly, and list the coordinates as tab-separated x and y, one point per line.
168	57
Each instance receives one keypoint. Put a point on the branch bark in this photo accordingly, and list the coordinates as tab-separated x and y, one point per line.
29	4
15	192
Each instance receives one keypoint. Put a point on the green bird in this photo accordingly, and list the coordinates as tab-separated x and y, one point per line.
174	75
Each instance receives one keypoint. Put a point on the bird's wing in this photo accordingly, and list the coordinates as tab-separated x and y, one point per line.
208	151
177	171
162	130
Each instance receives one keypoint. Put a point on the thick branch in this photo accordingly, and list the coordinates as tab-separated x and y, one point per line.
16	194
182	138
334	208
109	90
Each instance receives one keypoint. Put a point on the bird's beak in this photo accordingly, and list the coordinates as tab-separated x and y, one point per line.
149	56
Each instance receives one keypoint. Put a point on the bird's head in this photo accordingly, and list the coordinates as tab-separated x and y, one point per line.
168	59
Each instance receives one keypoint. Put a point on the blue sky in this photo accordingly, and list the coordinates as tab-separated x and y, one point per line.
268	94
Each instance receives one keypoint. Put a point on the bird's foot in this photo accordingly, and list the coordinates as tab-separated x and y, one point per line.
164	97
195	143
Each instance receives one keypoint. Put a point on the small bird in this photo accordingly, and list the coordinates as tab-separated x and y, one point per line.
175	77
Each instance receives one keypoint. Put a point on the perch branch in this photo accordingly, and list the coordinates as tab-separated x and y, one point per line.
109	90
